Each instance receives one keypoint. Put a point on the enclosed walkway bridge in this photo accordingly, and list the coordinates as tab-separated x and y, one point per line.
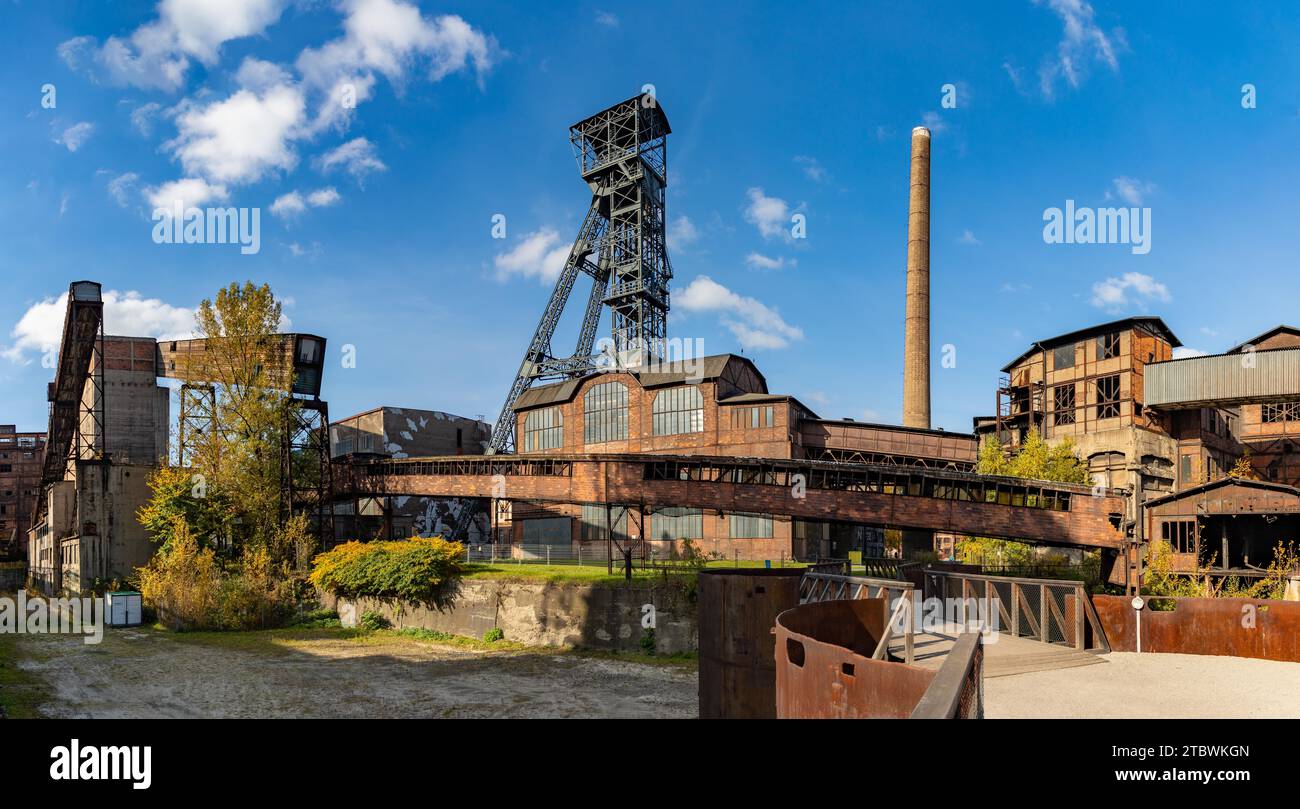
886	496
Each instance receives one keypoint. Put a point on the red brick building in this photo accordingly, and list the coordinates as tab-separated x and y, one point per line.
21	458
710	406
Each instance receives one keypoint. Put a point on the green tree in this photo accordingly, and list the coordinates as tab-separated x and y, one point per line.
246	362
1035	460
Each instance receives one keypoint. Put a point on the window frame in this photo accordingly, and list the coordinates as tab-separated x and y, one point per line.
668	416
605	409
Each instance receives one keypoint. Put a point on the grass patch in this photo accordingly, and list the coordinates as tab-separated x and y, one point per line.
21	692
594	573
686	661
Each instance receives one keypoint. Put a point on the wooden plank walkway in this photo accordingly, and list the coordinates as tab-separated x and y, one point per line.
1003	654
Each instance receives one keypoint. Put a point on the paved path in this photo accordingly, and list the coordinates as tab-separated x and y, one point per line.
1133	686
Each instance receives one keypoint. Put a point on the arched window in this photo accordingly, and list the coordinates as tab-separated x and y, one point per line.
544	429
679	410
604	413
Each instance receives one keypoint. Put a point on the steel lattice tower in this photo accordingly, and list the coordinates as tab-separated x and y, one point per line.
622	154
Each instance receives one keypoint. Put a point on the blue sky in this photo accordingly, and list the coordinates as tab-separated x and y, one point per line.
376	220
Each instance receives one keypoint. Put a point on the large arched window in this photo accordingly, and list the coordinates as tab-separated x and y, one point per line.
604	413
544	429
679	410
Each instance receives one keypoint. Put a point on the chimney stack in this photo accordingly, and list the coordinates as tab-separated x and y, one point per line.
916	327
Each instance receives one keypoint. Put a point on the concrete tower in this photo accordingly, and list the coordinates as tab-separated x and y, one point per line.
916	327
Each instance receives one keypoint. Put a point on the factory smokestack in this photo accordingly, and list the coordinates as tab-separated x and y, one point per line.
916	327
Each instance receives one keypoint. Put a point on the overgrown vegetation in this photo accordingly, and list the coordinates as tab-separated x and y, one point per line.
190	589
1035	460
227	559
1160	576
420	569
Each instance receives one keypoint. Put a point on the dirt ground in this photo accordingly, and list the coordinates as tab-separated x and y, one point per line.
138	673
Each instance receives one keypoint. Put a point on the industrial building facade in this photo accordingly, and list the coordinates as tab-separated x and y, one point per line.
22	457
88	534
1171	430
397	432
709	406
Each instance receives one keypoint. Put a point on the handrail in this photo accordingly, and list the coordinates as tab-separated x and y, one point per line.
1039	624
962	672
834	587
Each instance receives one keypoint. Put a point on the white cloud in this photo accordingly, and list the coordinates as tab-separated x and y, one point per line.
771	215
758	261
290	204
121	186
323	197
157	54
682	233
294	202
356	157
40	329
1132	288
1130	190
142	117
1184	351
753	323
812	169
74	136
1082	41
298	251
968	237
539	254
190	192
242	138
934	122
389	37
607	19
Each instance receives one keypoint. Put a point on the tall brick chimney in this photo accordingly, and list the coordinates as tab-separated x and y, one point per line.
916	326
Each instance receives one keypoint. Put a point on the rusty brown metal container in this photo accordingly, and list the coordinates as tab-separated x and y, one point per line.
737	610
824	668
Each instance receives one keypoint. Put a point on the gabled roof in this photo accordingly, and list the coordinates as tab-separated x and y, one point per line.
1256	340
1228	481
1148	322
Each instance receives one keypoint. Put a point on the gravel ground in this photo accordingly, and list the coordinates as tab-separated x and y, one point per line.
146	673
1151	686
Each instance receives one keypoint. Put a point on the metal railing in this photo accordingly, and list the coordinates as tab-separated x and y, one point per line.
815	587
957	691
1053	611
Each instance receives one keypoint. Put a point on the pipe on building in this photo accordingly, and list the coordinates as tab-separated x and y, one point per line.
916	326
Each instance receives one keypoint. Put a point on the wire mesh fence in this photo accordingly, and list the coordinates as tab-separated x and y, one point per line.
643	554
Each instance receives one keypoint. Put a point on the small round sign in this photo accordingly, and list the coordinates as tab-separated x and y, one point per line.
1137	602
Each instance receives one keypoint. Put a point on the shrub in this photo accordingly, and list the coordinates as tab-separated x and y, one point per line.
418	569
372	621
493	635
648	641
189	591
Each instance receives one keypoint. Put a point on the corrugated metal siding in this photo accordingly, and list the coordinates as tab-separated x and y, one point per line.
1226	378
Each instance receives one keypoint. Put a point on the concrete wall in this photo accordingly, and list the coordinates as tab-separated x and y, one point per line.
550	613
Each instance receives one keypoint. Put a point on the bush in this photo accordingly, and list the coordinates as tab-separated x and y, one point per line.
493	635
189	591
372	621
418	569
648	641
